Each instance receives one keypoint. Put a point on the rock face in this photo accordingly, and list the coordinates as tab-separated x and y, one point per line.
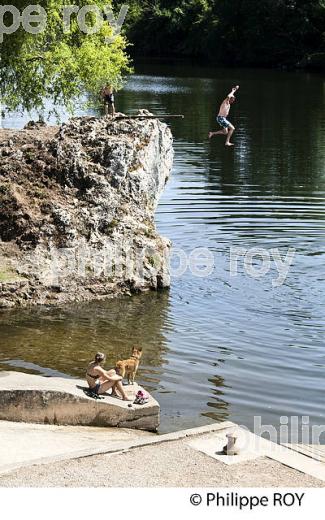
77	207
36	399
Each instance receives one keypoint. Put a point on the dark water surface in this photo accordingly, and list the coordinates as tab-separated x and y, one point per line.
217	347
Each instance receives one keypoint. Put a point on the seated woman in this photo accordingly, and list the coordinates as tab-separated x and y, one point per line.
100	380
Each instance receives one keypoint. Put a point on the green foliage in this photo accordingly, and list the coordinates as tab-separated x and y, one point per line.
233	32
271	32
168	27
56	66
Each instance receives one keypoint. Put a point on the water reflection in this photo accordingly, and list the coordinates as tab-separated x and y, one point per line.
67	338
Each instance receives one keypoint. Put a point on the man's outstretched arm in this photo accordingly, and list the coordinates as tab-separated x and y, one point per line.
232	93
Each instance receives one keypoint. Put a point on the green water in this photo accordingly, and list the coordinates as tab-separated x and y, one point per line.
218	347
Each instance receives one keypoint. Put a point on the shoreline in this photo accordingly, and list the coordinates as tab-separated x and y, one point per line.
179	459
205	63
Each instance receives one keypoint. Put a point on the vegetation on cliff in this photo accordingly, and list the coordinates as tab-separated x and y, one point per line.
231	32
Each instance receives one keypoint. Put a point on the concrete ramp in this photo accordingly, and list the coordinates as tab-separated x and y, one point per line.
29	444
36	399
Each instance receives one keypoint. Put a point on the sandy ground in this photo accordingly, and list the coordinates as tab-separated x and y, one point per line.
172	464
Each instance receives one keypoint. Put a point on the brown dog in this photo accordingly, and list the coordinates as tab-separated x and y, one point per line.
129	366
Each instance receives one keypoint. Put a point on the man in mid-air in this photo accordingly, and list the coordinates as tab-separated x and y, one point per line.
227	128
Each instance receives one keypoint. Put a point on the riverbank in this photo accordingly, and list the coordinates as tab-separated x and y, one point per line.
180	459
231	33
314	63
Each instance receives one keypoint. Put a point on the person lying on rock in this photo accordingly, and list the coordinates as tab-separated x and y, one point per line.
100	380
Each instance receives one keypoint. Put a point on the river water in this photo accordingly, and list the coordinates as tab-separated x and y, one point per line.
227	345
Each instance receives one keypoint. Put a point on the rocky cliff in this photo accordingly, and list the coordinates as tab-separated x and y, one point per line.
77	206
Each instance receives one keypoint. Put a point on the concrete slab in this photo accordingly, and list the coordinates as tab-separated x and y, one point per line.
39	445
314	451
29	444
212	446
60	401
157	461
253	446
35	444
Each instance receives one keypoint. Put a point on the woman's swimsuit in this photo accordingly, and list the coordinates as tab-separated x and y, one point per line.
93	377
95	388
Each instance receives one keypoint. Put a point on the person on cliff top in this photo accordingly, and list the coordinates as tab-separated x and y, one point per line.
107	95
227	128
100	380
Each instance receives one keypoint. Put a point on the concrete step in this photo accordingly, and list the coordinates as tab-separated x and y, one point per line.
313	451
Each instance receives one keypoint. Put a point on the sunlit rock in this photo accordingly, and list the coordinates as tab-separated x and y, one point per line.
77	206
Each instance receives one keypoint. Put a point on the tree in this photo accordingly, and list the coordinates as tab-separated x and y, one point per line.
61	62
271	32
168	27
232	32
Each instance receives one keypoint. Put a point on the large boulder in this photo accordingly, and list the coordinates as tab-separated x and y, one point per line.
77	206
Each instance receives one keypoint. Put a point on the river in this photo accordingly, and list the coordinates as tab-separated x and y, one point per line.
230	345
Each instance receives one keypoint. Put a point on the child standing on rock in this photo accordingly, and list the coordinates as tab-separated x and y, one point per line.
107	95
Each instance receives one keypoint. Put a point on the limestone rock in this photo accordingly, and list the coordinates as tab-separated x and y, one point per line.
77	206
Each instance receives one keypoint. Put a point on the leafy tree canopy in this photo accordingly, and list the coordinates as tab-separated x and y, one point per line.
233	32
56	64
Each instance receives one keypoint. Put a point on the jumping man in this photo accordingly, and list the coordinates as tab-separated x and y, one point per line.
228	128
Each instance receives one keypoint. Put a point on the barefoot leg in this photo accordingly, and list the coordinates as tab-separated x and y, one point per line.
119	390
219	132
230	133
106	385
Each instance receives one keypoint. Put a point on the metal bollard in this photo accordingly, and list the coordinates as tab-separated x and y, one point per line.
230	448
